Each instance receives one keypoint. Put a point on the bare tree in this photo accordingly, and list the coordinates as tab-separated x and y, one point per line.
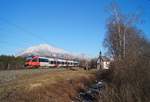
120	27
130	70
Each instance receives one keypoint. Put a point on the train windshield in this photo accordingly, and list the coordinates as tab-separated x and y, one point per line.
43	60
28	59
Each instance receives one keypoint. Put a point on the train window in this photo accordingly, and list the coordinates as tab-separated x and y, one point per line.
28	60
43	60
34	60
52	62
58	62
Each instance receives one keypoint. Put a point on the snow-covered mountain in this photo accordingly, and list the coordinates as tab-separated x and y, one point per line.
50	51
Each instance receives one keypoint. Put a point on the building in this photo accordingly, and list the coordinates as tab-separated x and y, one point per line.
103	62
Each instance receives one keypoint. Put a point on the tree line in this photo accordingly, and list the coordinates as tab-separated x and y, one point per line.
11	62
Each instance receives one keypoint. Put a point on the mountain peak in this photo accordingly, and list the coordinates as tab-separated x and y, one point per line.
47	50
42	50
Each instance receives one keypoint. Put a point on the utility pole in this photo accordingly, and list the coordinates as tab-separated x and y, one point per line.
100	57
124	42
99	63
124	45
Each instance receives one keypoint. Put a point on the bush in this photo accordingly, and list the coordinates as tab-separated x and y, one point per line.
130	81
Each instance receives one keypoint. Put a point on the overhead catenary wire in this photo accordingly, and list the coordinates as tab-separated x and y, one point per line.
4	44
24	30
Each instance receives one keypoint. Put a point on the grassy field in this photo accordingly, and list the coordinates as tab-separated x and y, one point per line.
10	75
44	85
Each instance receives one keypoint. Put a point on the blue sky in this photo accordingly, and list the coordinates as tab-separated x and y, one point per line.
74	25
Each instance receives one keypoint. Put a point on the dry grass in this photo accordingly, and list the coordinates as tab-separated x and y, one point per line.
10	75
48	87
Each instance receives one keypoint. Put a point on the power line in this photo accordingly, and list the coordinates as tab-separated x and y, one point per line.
23	29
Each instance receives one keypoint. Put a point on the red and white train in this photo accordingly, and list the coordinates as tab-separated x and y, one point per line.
36	61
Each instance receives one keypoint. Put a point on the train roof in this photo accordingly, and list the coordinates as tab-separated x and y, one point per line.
53	58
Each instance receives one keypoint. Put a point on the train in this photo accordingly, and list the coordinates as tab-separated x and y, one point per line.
37	61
